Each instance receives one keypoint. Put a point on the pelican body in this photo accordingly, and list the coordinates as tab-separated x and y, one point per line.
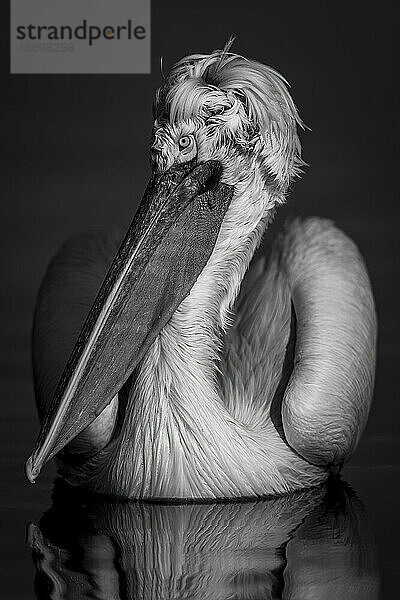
172	366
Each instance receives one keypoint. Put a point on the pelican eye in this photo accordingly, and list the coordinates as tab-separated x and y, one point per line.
186	142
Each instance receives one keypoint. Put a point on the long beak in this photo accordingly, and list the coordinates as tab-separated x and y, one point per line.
165	249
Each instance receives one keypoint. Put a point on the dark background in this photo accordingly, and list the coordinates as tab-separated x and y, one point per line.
75	156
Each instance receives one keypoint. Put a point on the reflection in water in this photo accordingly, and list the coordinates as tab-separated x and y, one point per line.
314	544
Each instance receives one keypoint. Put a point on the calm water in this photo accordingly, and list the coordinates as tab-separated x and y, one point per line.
296	546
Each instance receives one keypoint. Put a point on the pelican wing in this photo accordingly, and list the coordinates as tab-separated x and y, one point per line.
325	404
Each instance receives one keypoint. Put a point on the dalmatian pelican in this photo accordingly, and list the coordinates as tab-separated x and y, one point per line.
168	367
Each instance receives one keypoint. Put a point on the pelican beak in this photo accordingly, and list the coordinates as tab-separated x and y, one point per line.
165	249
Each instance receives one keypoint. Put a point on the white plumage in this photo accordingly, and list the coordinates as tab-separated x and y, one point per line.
237	396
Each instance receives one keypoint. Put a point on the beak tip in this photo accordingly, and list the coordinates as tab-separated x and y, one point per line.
31	471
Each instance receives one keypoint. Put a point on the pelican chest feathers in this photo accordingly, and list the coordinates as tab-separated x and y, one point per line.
164	366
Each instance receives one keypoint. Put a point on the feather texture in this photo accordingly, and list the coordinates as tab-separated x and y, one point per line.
256	345
328	397
238	99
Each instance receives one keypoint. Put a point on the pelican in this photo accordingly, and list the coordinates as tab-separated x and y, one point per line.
167	366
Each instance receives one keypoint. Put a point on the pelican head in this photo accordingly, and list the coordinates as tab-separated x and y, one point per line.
223	152
224	107
239	114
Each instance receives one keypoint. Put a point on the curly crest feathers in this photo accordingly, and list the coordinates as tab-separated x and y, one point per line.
253	98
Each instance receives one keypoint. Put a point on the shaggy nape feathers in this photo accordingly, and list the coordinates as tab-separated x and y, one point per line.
240	101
